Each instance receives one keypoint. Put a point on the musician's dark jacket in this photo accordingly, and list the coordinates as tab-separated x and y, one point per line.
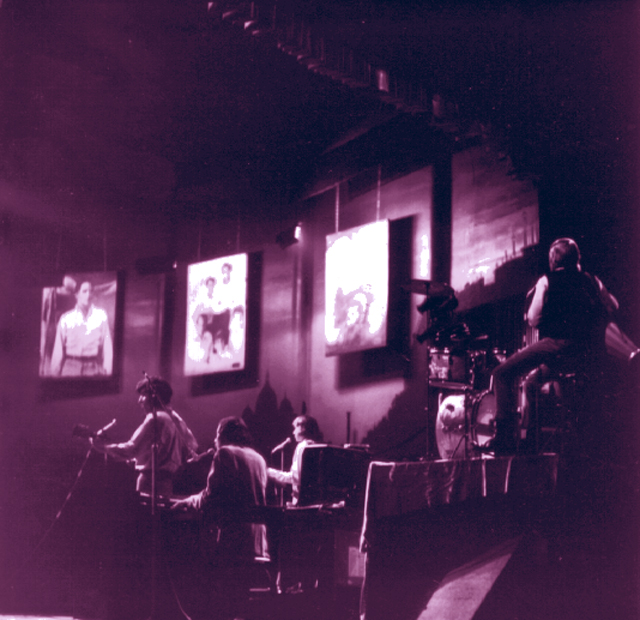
235	491
571	305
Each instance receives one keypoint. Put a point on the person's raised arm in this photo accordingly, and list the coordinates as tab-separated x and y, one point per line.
609	301
127	450
534	314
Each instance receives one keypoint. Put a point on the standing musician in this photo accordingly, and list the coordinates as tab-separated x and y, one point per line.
175	442
570	309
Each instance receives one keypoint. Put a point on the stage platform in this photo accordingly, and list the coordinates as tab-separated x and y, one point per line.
396	489
522	537
526	537
424	520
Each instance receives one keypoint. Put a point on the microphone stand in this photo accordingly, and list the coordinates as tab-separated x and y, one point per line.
427	407
282	487
154	499
280	448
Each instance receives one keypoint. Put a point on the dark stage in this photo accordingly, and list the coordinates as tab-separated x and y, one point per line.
527	538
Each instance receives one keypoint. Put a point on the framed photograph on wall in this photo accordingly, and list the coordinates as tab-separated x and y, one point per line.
216	316
78	322
357	288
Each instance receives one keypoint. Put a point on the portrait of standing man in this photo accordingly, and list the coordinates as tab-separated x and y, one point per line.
77	327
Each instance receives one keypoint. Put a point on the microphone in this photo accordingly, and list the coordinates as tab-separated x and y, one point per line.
104	429
282	445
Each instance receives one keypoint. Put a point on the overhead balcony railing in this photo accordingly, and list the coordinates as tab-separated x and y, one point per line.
321	51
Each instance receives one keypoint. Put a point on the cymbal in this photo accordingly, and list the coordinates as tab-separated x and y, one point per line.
430	288
446	303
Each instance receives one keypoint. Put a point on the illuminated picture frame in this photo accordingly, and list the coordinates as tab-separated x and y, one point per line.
357	289
79	321
216	318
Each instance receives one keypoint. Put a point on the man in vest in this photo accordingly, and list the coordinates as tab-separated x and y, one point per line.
570	309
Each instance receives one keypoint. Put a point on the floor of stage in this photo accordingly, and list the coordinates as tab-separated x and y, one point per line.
586	583
587	577
309	606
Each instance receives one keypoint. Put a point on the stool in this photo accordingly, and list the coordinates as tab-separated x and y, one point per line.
556	411
263	579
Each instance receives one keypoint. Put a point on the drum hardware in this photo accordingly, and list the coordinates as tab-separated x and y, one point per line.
618	344
450	385
461	369
437	307
459	361
452	426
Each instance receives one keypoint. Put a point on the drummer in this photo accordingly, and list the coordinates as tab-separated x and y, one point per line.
570	308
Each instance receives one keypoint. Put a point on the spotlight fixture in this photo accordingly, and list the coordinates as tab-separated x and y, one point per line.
289	236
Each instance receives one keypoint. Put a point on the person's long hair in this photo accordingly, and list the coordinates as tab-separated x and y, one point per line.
157	390
310	428
233	431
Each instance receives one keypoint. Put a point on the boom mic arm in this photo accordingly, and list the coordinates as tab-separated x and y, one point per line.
281	446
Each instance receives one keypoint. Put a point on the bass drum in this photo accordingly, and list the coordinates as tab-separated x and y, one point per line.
483	418
451	424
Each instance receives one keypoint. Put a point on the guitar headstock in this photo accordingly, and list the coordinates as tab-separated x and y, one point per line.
82	431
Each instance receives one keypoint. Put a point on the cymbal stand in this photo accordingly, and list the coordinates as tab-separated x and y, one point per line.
427	408
467	423
281	490
440	297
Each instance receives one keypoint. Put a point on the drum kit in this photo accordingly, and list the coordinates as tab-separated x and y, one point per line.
460	364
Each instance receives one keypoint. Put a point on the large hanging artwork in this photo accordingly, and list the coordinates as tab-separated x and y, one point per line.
357	288
216	315
78	326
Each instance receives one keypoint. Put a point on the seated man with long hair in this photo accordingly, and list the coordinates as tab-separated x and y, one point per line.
234	494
